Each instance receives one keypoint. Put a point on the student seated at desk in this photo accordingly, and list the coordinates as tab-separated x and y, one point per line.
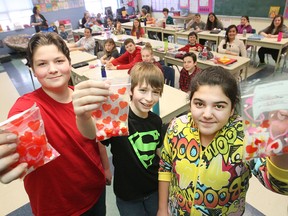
63	34
143	14
85	20
110	52
244	24
109	24
127	60
118	30
277	25
147	56
137	30
196	23
232	45
97	25
86	43
213	22
192	44
150	19
169	20
188	71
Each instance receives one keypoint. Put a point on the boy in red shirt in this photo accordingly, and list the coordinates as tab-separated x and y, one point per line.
128	59
192	44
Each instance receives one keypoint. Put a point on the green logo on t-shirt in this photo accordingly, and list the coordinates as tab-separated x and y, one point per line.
145	145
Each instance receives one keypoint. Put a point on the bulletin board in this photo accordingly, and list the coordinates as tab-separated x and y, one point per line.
55	5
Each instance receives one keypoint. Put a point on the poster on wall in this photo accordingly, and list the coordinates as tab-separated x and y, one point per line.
205	6
193	6
274	10
55	5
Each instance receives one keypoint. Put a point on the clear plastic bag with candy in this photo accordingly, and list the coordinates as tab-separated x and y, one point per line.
32	144
265	118
112	117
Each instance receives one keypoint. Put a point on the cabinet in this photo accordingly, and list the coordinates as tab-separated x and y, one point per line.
68	28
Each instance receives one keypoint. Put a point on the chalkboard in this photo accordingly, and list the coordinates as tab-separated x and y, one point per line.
251	8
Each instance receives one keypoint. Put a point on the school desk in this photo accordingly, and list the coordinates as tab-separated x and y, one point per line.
78	33
206	35
153	28
269	43
168	109
241	64
80	57
129	25
156	45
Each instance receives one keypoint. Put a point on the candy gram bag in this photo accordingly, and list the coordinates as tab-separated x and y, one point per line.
32	144
265	118
112	117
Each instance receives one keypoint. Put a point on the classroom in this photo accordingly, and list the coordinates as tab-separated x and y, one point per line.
249	39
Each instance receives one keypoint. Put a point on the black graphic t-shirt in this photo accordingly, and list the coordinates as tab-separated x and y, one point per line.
134	157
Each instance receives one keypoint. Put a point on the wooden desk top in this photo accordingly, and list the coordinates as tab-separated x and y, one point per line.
79	57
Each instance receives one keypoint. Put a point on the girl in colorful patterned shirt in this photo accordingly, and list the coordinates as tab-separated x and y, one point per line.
202	169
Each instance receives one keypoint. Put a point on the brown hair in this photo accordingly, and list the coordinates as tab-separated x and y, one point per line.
129	40
148	73
134	28
147	47
111	41
44	39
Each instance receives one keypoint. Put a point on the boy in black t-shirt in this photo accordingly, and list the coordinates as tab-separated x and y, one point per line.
135	157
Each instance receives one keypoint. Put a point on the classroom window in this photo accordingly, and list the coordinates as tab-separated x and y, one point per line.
98	6
158	5
11	12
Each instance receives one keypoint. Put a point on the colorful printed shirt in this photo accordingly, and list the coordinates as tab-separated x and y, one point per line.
212	180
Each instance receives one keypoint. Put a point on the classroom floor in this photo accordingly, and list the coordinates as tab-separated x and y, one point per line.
20	76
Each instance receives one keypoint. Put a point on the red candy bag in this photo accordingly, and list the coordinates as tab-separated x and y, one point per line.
32	144
112	117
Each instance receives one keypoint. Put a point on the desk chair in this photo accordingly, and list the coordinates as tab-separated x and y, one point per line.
30	72
169	75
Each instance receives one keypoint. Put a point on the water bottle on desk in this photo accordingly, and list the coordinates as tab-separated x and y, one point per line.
280	35
244	32
204	54
164	24
145	21
185	26
165	44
